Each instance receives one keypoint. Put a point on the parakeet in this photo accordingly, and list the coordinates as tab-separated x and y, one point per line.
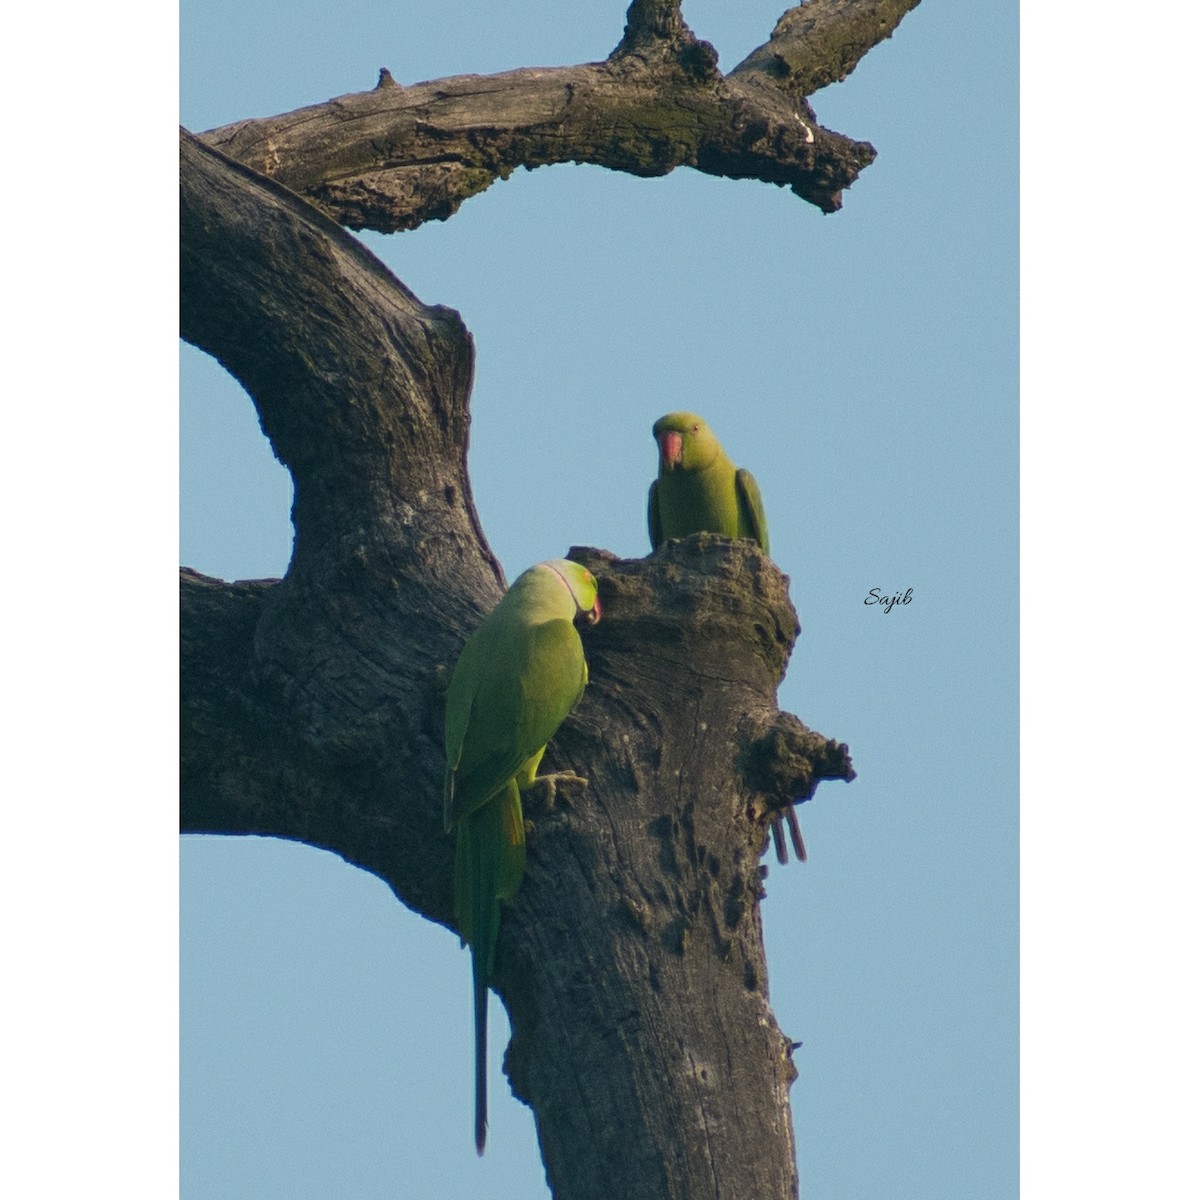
699	489
519	675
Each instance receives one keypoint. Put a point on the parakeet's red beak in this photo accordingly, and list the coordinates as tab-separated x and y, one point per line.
591	616
670	448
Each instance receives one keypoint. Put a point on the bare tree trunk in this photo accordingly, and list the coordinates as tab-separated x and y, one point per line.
631	961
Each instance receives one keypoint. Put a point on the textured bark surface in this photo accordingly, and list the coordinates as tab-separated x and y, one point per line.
393	157
821	42
631	960
633	966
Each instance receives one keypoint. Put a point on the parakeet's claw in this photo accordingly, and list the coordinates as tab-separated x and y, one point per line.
552	781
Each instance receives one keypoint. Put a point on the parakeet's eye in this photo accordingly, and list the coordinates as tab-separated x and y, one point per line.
695	428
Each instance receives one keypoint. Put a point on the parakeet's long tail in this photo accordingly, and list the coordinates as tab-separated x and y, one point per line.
481	999
479	922
489	862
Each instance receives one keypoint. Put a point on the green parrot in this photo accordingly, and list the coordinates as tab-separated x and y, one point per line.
519	675
698	489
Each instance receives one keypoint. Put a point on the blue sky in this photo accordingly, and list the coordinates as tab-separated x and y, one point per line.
864	366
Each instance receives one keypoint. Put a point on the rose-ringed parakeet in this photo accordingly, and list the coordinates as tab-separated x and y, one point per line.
519	675
698	488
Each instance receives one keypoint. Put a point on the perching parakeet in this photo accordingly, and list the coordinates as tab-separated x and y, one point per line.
519	675
698	488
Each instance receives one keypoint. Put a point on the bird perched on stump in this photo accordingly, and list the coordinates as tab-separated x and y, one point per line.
519	675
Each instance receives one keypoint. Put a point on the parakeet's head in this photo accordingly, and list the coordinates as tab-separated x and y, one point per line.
581	583
685	443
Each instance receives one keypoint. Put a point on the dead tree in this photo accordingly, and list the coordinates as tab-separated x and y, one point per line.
631	961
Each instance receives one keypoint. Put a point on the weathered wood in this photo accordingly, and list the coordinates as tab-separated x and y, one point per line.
633	965
362	391
821	42
393	157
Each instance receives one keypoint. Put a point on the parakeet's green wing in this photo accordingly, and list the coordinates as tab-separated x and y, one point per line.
654	517
528	680
750	509
459	698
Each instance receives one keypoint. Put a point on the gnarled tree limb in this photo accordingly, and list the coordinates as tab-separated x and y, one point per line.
394	157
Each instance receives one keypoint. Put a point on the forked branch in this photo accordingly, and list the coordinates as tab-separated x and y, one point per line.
393	157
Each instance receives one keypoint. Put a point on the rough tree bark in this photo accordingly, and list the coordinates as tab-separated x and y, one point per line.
393	157
631	961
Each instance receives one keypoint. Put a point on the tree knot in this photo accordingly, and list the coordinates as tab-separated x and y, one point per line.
656	32
699	60
782	760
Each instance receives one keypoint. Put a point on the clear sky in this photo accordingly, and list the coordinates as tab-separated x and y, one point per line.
864	366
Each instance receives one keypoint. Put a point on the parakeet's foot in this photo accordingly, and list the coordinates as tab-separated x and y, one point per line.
551	783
